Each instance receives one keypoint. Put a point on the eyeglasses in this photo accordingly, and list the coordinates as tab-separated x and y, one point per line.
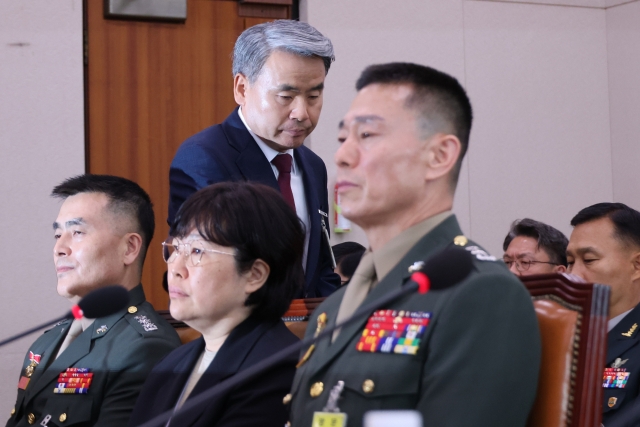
524	264
193	251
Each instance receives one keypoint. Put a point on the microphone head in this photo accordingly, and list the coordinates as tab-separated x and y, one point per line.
104	301
448	267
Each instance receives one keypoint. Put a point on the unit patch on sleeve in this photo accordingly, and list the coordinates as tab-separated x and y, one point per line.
394	331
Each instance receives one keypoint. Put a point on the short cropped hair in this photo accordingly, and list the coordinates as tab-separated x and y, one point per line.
125	198
341	250
439	100
255	45
256	221
626	221
550	240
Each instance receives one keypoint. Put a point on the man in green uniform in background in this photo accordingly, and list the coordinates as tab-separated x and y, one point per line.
468	355
89	372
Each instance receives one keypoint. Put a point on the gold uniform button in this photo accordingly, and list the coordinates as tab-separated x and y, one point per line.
132	309
368	386
63	417
31	418
286	399
13	411
316	389
460	241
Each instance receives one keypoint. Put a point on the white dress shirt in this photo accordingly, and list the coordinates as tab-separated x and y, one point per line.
297	185
612	323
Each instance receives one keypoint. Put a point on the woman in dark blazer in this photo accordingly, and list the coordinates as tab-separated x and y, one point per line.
234	258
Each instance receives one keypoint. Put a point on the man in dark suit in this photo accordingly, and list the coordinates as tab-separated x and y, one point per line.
604	247
279	70
467	355
533	247
89	372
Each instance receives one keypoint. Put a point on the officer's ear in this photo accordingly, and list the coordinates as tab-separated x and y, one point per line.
240	85
132	247
635	259
443	151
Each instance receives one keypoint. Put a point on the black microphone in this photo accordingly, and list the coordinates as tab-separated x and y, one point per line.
441	271
99	303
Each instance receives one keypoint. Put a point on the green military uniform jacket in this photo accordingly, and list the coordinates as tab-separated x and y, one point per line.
476	365
119	350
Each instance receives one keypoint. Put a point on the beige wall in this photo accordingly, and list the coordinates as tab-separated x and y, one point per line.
42	142
623	48
538	79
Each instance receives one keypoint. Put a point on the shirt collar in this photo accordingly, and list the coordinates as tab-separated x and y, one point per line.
387	257
612	323
269	152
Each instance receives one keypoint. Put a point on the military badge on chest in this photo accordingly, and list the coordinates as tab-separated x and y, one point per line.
34	361
615	376
394	331
74	381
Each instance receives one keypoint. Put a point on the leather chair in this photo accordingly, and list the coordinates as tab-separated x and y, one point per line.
185	333
572	316
296	319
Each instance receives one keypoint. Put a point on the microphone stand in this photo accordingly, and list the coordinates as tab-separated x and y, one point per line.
274	359
35	328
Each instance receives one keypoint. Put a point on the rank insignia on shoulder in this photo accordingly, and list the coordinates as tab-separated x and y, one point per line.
480	254
393	331
631	330
615	377
147	324
74	381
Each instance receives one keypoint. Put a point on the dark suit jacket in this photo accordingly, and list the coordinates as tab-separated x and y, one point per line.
477	363
119	351
257	403
625	409
228	152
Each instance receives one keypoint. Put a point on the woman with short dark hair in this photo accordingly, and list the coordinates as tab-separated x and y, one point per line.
235	262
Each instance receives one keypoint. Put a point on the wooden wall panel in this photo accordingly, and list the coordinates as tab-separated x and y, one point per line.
150	86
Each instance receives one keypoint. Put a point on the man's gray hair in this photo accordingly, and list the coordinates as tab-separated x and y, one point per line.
256	43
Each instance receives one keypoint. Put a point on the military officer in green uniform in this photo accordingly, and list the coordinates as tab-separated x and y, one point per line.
468	355
89	372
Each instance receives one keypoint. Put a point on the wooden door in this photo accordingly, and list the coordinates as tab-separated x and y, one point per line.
149	86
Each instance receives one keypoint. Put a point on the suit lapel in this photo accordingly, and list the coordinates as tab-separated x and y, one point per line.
226	363
174	382
315	233
624	335
439	237
251	162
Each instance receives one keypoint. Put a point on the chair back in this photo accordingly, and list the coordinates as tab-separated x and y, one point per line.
297	317
186	333
572	317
